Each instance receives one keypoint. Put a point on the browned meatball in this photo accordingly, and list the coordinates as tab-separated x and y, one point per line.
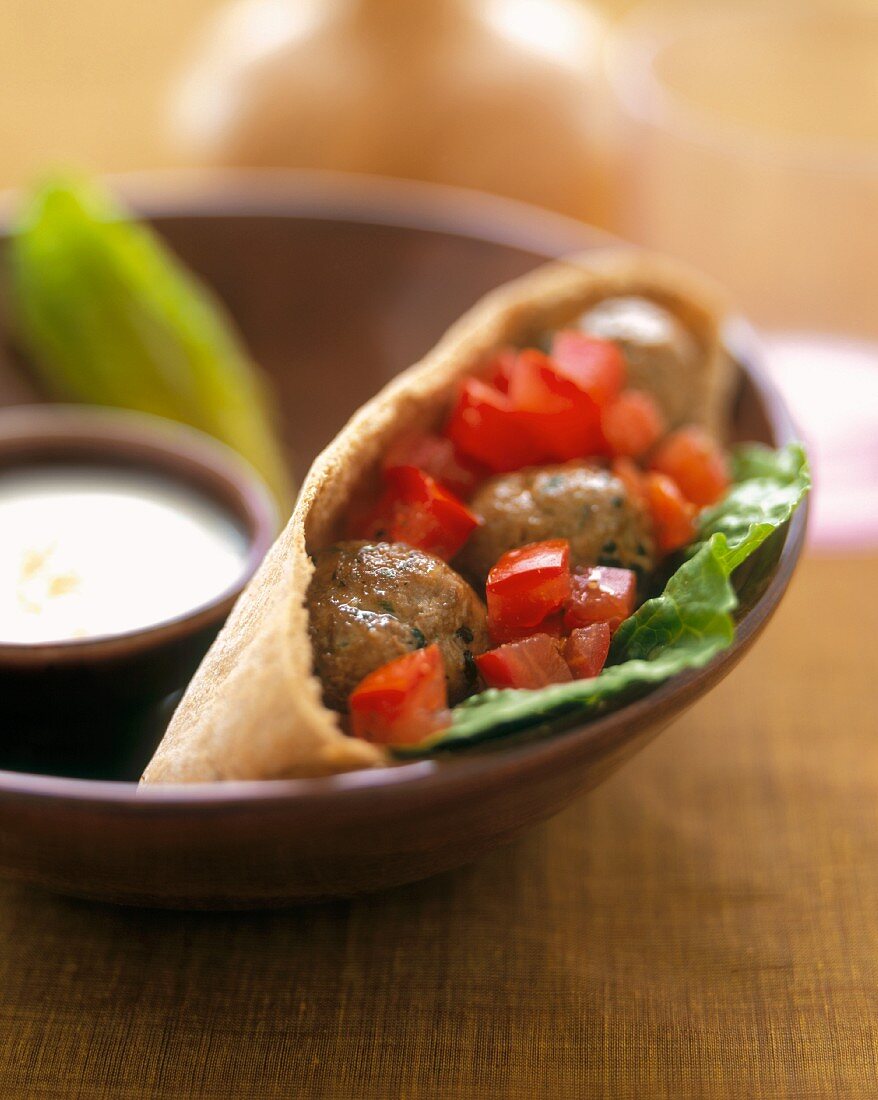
371	602
581	502
662	356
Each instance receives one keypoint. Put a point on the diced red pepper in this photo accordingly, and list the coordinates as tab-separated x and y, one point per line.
527	586
401	702
585	651
600	594
696	464
436	456
485	426
563	421
673	516
417	510
533	662
597	367
632	423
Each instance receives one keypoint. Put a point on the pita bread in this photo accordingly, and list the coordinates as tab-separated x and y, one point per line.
253	709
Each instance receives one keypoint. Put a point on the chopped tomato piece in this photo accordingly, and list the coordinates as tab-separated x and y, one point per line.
696	463
533	662
673	516
601	594
563	421
486	426
436	456
631	476
526	586
585	651
632	423
401	702
552	625
417	510
501	367
597	367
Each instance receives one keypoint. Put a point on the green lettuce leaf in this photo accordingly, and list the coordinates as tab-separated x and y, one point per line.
110	317
768	486
684	628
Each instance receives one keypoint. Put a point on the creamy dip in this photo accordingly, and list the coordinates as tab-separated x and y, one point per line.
87	552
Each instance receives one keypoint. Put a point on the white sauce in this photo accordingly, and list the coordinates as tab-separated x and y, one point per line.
86	552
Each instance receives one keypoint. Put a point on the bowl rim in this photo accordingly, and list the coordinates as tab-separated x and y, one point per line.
175	452
179	193
344	197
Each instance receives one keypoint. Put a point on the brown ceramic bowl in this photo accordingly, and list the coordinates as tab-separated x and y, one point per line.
337	284
50	692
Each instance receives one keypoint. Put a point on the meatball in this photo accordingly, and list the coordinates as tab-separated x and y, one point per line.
370	602
581	502
663	357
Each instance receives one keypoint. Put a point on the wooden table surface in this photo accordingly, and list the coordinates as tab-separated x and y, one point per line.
706	924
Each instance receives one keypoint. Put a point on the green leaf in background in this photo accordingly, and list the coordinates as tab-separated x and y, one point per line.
109	316
683	628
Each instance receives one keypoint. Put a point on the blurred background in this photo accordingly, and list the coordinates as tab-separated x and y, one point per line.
741	136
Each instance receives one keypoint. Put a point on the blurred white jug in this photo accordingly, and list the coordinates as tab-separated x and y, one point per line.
499	95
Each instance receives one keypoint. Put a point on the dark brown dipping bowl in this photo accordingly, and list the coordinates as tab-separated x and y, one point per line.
75	694
338	283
